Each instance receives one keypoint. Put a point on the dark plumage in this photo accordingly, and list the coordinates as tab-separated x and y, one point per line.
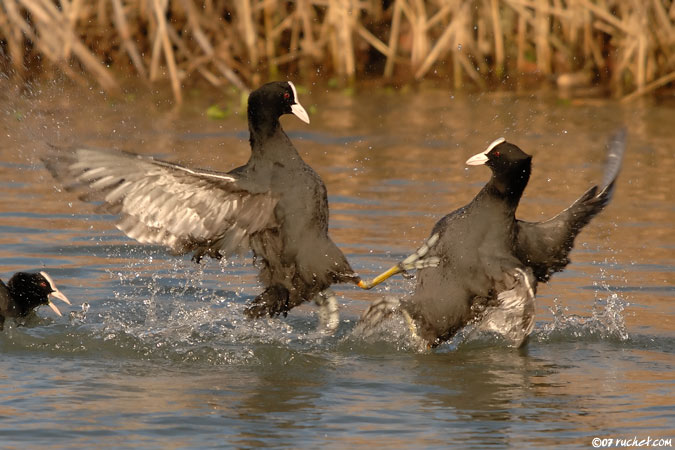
490	262
275	204
26	291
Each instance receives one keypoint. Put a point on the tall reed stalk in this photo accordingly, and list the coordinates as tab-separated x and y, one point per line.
627	45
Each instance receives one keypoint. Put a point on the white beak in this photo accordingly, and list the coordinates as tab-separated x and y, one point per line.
296	107
300	112
481	158
55	309
55	293
60	295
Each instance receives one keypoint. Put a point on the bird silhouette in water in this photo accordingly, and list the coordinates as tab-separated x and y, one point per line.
275	204
490	261
26	291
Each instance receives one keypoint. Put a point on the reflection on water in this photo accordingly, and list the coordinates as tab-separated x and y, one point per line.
156	350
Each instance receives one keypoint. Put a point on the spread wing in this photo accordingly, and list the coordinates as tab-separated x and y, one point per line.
186	210
545	246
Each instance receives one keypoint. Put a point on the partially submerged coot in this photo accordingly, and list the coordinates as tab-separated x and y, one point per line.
26	291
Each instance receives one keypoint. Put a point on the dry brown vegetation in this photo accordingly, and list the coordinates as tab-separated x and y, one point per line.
626	45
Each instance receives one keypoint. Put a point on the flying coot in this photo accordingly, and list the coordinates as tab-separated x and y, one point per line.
275	204
491	262
26	291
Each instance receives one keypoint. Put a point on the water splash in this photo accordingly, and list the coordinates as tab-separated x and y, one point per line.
169	309
606	321
391	334
79	317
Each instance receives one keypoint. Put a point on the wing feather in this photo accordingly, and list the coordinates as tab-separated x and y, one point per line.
545	246
164	203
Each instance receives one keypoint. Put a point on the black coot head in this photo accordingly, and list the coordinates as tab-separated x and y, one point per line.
509	164
501	157
273	100
31	290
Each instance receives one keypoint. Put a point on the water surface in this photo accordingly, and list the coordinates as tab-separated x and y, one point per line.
155	351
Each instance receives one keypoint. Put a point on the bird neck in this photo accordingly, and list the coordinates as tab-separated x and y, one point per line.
262	126
262	122
508	187
271	143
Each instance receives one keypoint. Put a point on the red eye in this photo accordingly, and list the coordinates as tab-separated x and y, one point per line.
43	284
287	95
497	154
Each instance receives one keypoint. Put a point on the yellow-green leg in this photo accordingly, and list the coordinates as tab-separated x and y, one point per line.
414	261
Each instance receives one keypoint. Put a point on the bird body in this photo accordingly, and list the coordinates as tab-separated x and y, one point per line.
297	258
475	249
275	204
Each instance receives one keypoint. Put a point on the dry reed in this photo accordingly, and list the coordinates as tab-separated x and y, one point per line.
627	45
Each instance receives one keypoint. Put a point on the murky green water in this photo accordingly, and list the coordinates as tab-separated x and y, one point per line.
156	352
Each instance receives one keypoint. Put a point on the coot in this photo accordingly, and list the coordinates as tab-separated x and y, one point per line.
26	291
491	262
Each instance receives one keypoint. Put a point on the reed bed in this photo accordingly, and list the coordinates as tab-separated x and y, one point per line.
626	45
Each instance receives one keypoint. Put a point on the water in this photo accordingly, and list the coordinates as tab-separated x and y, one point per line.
155	351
